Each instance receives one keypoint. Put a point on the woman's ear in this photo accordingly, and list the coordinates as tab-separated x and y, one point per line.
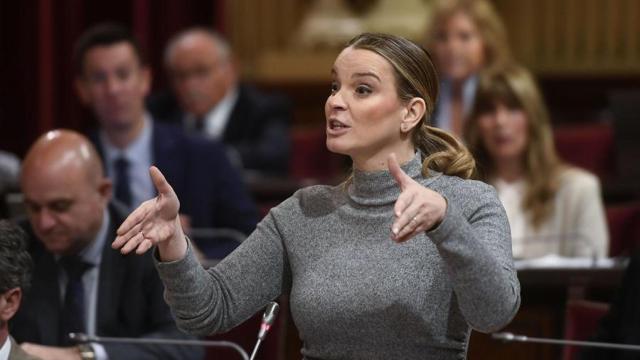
415	109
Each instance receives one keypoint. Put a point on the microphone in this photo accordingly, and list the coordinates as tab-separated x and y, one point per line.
84	338
268	318
509	337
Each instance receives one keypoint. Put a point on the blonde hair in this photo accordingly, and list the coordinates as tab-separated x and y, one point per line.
515	88
416	76
489	24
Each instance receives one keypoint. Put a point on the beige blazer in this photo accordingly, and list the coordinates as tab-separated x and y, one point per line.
576	228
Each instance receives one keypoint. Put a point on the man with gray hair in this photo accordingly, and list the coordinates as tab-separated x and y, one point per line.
211	100
15	275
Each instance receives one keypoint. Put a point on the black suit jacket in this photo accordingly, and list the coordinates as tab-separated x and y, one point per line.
622	323
211	191
130	303
258	127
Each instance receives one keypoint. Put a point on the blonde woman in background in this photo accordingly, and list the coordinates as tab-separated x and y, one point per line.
553	208
466	37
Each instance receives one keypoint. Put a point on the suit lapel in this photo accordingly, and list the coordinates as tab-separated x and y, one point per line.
46	286
94	136
235	127
166	152
169	155
112	274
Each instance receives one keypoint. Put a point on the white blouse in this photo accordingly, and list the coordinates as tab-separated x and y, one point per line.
576	227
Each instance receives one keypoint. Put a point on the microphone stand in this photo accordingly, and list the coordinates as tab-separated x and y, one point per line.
268	317
83	338
509	337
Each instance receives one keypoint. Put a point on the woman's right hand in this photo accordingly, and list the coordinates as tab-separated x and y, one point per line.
154	222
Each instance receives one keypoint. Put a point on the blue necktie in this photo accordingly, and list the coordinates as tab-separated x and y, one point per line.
72	317
123	190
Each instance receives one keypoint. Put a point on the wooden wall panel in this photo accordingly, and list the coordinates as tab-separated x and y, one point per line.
575	37
567	37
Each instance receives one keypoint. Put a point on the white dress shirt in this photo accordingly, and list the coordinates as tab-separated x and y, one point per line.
442	117
216	120
139	154
92	254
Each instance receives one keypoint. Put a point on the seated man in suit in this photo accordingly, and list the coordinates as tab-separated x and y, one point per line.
204	78
113	81
80	284
15	275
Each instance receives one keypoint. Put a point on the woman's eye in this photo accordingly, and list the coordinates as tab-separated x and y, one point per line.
363	90
334	87
465	36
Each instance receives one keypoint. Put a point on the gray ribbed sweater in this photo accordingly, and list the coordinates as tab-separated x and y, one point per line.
355	293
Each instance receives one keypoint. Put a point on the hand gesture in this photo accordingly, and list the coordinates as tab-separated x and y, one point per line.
417	209
154	222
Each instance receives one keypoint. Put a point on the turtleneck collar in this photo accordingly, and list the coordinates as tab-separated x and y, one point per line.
379	187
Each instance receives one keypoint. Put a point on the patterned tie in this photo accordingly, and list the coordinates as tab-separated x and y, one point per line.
123	190
72	317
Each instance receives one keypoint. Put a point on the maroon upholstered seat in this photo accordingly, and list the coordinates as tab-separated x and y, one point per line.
310	158
624	228
589	146
581	322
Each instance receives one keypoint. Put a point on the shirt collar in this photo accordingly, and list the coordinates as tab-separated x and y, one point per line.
221	110
134	152
380	187
92	254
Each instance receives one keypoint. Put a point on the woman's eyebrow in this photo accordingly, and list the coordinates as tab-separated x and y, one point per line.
366	74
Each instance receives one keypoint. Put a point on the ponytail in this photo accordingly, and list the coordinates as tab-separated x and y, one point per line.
444	153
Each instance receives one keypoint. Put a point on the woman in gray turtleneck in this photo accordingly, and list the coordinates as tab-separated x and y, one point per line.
399	262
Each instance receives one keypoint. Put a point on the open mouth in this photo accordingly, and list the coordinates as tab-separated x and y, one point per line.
337	125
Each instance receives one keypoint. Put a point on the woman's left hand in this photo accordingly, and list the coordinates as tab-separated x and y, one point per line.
417	209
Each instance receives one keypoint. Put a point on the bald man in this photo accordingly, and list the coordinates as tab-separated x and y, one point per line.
211	101
79	283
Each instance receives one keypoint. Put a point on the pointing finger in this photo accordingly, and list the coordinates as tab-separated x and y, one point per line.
396	171
160	182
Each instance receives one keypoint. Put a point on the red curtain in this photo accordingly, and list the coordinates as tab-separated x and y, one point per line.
36	45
